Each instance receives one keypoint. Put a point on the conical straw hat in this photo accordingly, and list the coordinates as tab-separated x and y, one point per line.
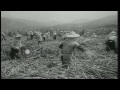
18	35
72	34
113	33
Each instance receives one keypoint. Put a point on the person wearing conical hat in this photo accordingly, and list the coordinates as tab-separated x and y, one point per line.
54	35
113	33
64	33
87	34
39	37
17	43
68	46
61	34
94	35
44	37
48	35
111	41
31	34
15	49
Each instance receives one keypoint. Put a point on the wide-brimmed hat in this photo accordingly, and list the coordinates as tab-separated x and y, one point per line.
18	36
72	34
113	33
94	34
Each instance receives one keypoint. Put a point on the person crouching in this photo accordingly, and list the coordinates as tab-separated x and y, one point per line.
111	41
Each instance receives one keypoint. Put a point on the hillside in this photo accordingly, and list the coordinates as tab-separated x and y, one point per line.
79	21
13	23
109	20
19	24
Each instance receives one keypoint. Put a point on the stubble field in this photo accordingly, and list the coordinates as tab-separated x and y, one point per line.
96	63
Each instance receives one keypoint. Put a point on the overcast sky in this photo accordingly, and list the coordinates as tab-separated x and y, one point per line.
64	16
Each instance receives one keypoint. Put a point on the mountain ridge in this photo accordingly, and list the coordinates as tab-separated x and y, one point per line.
7	23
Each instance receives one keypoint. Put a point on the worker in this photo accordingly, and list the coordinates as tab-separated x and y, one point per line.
68	45
31	34
39	37
111	41
48	35
87	34
44	37
94	35
16	47
54	35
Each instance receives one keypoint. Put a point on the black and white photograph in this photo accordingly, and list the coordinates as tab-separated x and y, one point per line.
59	44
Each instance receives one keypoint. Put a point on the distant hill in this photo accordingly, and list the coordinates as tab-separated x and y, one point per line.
7	23
72	24
109	20
13	23
79	21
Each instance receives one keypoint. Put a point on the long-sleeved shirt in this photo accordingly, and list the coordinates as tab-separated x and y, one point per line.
68	47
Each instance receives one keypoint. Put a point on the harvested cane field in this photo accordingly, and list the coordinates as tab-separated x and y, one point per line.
44	62
96	63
